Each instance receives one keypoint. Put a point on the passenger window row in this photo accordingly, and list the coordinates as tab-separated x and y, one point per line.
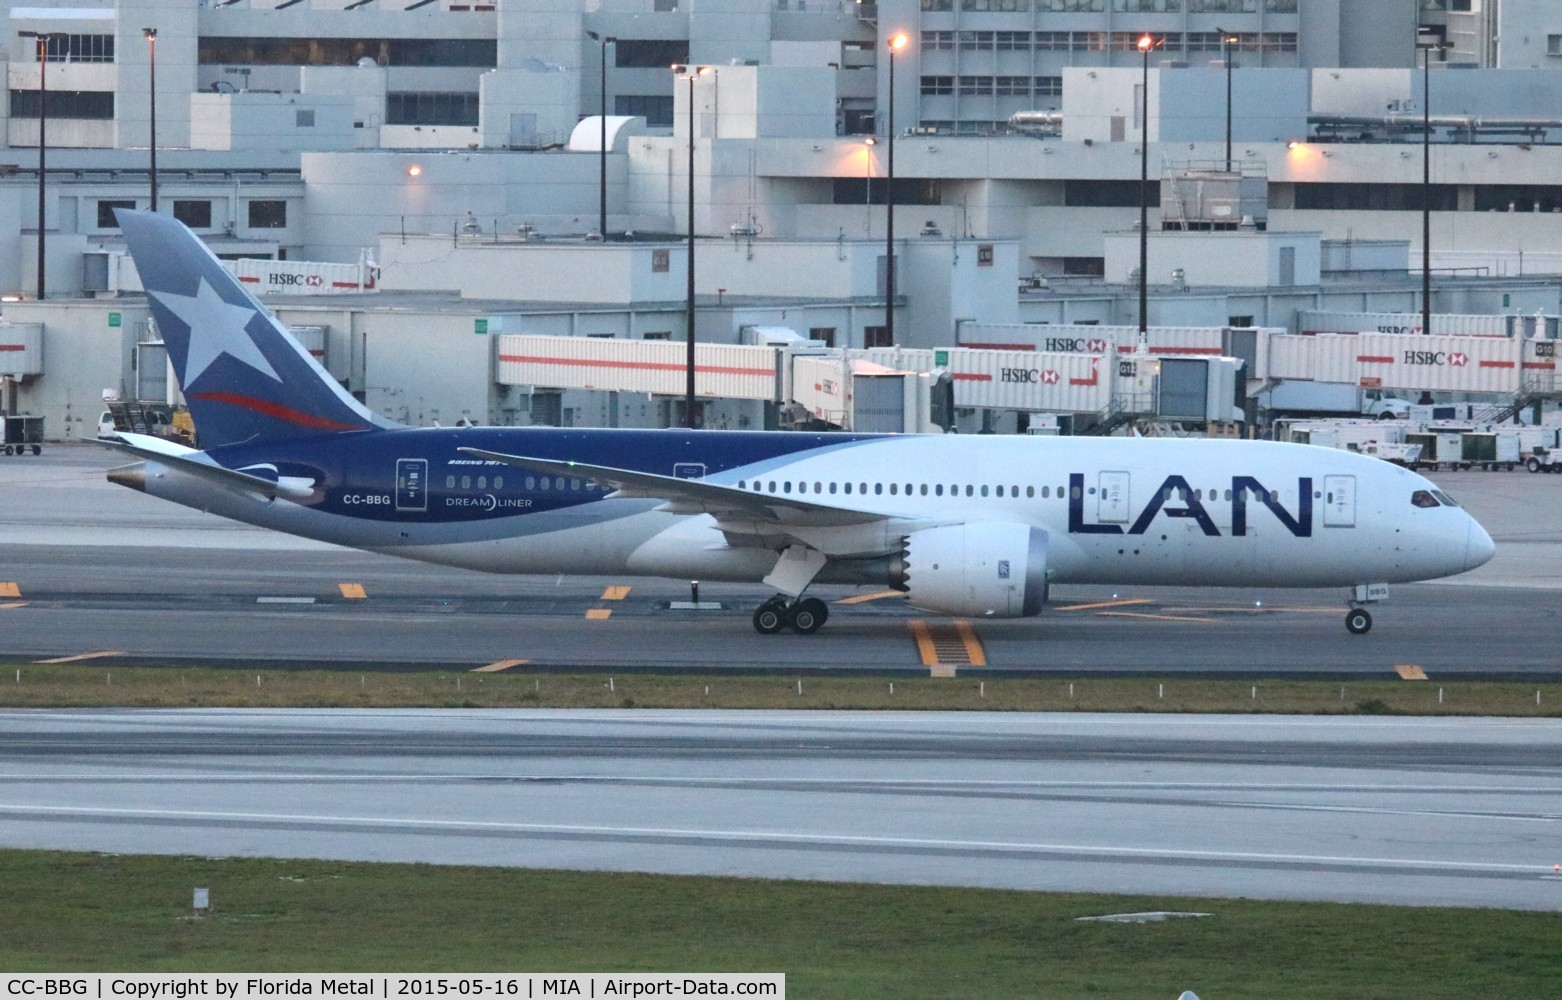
530	483
787	486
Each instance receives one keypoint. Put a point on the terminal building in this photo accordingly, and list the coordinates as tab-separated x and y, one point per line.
454	151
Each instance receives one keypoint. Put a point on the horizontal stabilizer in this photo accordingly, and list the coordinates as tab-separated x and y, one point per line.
196	463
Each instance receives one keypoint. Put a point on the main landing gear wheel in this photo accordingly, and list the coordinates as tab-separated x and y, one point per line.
807	615
770	617
1358	621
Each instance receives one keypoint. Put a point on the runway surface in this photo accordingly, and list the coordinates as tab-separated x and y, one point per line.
95	572
1460	812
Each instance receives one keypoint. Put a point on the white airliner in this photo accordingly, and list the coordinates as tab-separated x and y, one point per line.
975	526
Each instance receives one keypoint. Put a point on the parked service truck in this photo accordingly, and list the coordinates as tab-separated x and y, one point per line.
1301	397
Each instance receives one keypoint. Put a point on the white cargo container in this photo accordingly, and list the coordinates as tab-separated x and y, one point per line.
21	348
732	371
303	277
822	386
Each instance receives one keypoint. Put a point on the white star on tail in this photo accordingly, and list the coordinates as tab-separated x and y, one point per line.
216	328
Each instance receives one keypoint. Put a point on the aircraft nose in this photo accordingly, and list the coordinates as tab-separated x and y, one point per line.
1478	546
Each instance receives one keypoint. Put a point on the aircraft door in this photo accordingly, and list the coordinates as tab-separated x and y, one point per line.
1339	501
412	484
1112	498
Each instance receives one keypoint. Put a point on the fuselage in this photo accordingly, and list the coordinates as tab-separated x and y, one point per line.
1115	510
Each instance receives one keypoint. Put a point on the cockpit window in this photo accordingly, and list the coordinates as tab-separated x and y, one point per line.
1447	500
1423	498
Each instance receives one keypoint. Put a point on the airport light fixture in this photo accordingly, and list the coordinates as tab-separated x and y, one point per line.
150	34
690	73
1427	43
43	38
897	42
1226	41
604	41
1146	43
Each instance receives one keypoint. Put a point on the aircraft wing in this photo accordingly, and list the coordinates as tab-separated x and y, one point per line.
693	496
179	457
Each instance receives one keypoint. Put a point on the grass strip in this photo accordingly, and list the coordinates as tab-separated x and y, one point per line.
84	912
81	686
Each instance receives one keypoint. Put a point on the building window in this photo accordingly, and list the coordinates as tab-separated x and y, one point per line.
195	214
1013	41
1085	267
90	105
661	261
1554	45
938	41
76	48
304	118
938	5
976	41
1108	194
1011	86
1378	197
875	336
933	86
997	5
976	86
658	335
650	53
1049	86
872	191
657	111
824	334
106	208
268	214
430	108
427	52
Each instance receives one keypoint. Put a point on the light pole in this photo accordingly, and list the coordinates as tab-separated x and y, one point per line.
151	45
43	38
1225	51
604	41
1146	43
1426	47
690	73
899	40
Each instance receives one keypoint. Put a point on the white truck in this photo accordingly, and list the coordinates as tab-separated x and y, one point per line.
1301	397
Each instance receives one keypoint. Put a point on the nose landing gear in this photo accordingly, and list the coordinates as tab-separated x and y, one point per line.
803	617
1358	621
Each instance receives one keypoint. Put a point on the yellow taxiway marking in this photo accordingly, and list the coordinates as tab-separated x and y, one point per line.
13	604
354	591
1105	604
494	668
10	590
973	644
924	641
1409	672
84	656
865	598
946	645
598	614
615	593
1159	618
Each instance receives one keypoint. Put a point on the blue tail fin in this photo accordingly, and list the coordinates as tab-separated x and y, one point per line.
245	378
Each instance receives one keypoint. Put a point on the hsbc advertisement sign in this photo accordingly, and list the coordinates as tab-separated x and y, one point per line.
1458	359
1074	345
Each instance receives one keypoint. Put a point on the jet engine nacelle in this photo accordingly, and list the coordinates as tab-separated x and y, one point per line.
986	569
